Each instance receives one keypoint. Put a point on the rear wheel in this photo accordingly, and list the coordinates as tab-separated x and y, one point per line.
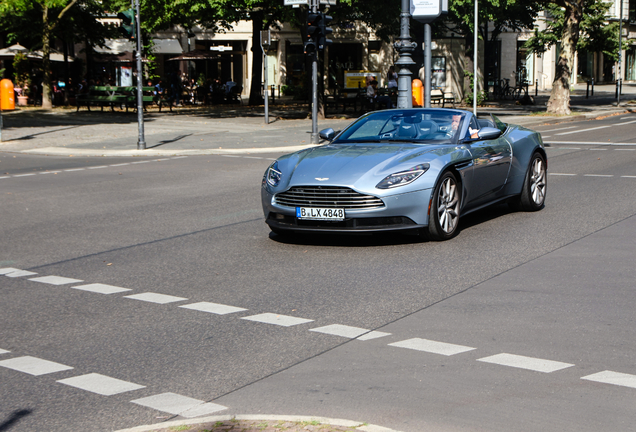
532	196
444	214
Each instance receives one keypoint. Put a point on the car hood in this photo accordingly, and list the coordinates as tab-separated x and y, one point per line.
361	165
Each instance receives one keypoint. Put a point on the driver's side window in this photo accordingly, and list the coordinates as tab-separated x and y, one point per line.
473	128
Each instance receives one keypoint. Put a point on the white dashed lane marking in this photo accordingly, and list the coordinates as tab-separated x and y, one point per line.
156	298
55	280
340	330
281	320
179	405
214	308
373	335
349	332
7	270
92	167
523	362
597	175
615	378
101	384
20	273
433	347
584	130
33	365
101	288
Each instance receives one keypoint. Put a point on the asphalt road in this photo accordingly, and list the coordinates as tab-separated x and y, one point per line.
555	285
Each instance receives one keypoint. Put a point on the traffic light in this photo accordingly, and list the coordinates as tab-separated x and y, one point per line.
313	33
128	28
324	31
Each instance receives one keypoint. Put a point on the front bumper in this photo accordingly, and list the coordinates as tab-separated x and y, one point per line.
406	211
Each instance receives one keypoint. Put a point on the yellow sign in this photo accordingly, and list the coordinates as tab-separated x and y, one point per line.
360	78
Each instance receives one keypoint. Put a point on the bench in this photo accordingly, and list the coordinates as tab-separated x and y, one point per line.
117	96
440	97
344	97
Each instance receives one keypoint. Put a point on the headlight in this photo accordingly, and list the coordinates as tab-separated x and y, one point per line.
403	178
273	175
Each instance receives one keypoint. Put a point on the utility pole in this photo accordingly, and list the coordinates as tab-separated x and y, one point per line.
619	79
141	141
314	85
476	29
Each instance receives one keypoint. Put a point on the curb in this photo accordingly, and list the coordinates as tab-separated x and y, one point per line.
66	151
322	420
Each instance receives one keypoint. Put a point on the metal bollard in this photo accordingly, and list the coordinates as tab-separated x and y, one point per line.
587	90
616	91
536	88
592	86
273	93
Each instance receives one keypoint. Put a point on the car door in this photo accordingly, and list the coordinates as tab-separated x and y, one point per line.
491	166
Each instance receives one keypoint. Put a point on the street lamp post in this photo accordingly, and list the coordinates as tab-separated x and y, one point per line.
405	47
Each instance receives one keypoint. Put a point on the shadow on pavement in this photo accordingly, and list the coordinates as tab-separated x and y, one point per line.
15	417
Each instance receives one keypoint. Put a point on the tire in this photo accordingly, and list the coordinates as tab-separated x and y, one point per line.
535	184
445	203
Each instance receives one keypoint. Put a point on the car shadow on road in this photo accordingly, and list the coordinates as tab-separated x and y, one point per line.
391	238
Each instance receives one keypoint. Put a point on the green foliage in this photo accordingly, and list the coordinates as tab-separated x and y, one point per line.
22	72
596	35
468	98
513	15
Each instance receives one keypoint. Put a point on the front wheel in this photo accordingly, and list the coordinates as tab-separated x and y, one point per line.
444	213
532	196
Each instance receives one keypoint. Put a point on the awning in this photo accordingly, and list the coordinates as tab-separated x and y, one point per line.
196	55
167	46
10	52
115	46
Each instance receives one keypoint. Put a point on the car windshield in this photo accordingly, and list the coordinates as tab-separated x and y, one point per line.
428	126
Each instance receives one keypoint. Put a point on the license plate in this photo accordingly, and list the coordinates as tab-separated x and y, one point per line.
313	213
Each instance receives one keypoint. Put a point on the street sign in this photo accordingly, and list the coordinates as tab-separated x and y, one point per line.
427	11
306	2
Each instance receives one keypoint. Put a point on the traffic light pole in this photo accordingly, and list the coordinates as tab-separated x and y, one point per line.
141	142
314	86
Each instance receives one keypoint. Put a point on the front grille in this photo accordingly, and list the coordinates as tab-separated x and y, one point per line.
327	196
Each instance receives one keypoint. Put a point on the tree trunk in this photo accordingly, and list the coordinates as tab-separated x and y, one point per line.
559	102
256	97
47	92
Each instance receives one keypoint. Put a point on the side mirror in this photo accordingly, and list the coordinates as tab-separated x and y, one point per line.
327	134
488	133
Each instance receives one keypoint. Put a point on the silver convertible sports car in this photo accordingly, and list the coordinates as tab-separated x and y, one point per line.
405	169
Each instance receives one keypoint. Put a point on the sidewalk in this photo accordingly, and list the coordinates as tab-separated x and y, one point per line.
237	129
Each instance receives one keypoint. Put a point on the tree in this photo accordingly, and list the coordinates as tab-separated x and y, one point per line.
582	25
51	12
495	17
